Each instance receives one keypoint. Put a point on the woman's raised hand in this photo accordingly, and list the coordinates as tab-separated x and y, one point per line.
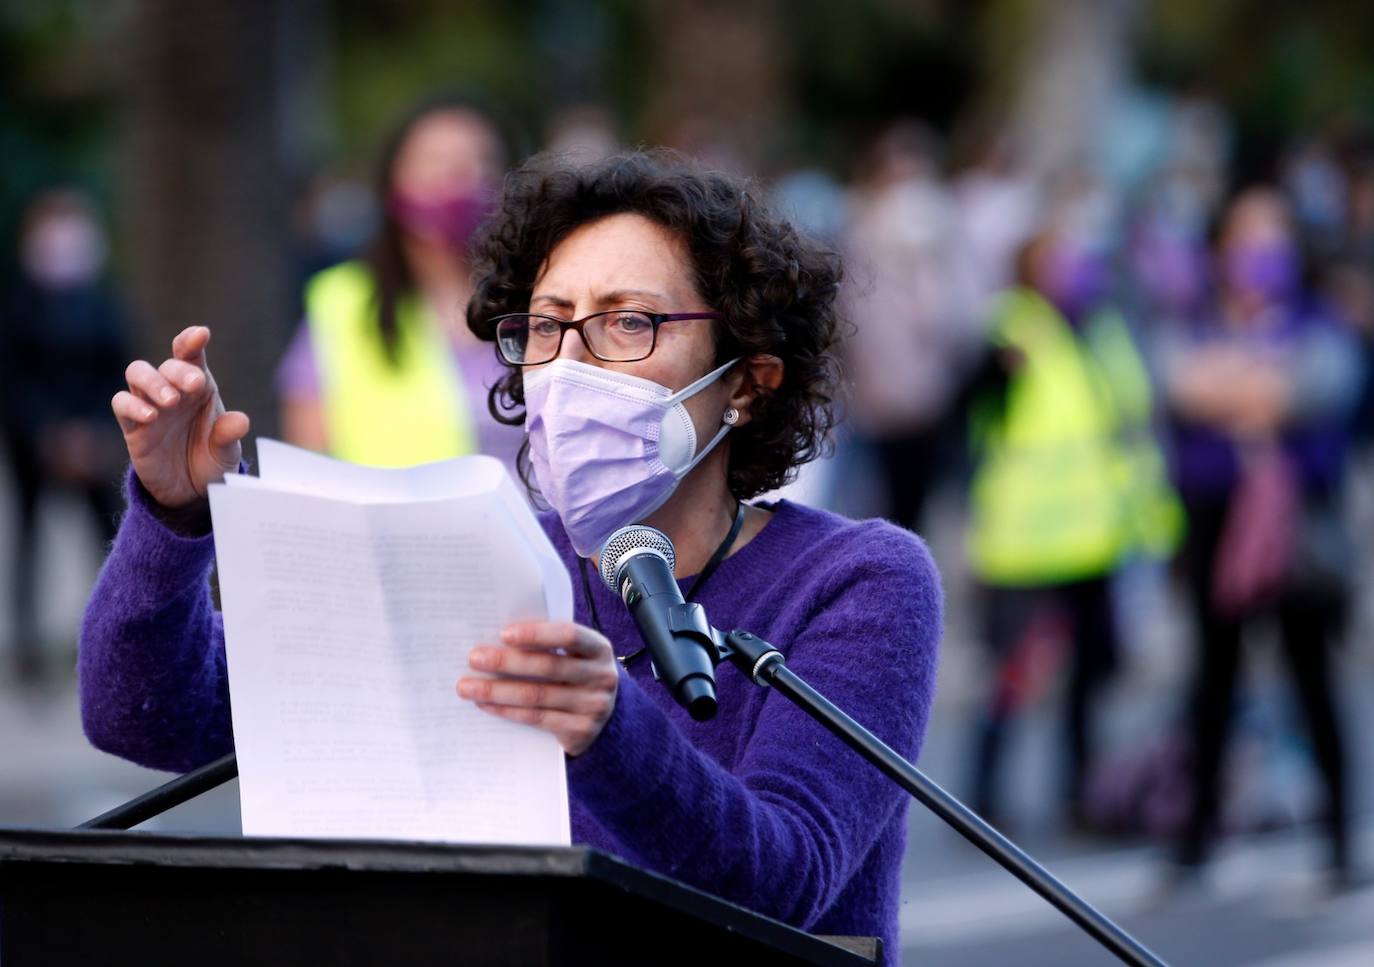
179	436
556	675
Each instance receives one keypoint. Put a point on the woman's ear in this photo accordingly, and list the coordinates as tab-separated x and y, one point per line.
760	373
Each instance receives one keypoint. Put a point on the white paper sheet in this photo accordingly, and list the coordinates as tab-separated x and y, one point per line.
348	620
288	467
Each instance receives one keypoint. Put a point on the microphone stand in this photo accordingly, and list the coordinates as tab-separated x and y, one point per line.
765	666
169	794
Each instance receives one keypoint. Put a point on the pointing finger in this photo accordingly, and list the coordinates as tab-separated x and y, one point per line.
189	344
188	378
150	384
131	412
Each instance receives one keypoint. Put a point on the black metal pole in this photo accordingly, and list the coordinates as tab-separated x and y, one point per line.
167	795
764	664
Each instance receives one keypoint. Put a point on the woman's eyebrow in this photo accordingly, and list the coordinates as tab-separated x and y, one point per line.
552	300
607	299
620	295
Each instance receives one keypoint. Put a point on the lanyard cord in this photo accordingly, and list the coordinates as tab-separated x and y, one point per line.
692	592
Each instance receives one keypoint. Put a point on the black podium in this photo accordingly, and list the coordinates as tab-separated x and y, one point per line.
97	898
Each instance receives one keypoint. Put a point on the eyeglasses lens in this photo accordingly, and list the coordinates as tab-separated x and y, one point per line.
618	336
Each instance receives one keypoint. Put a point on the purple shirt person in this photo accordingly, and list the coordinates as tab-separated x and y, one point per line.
640	275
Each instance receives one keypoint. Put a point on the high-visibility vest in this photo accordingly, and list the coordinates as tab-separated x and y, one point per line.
378	410
1155	518
1056	495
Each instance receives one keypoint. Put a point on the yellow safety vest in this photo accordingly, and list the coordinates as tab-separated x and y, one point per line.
1155	517
377	411
1056	496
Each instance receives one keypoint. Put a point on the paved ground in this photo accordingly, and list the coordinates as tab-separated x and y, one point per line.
1261	904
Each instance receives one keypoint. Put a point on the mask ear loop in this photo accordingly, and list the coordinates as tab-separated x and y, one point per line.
693	388
701	454
726	426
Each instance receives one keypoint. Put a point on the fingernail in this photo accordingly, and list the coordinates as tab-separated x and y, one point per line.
148	412
167	395
509	635
466	689
479	658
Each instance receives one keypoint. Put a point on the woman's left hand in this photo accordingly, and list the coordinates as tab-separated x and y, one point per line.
556	675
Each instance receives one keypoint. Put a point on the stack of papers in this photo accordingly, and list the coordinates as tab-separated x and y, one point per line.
351	598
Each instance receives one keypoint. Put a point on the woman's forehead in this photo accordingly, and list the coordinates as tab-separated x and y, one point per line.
621	253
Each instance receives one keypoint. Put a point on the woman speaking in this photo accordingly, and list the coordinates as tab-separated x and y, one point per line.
668	343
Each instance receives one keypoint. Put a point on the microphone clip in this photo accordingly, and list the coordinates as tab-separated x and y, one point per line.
757	657
688	620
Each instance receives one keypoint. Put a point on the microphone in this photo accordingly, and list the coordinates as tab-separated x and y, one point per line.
636	563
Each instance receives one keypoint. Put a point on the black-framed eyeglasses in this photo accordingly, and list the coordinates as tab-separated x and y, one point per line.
613	336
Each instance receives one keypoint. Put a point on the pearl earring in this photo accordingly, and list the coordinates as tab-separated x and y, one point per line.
731	416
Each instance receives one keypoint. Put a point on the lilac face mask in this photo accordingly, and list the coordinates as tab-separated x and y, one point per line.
453	219
1075	278
608	448
1266	269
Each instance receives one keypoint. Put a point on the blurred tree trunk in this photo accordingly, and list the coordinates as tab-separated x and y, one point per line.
1076	55
205	189
718	78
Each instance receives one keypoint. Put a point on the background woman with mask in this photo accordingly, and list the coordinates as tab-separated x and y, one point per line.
383	370
1261	388
62	347
669	348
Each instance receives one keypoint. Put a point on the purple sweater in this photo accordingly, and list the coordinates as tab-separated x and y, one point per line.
760	806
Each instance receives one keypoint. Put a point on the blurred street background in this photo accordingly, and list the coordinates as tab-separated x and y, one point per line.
1165	206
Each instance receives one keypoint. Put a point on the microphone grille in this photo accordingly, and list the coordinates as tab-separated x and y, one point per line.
625	543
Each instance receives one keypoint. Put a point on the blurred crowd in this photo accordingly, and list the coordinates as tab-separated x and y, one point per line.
1166	370
1167	367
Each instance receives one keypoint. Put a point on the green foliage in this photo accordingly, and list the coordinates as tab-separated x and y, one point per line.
857	65
1280	67
849	66
387	56
55	104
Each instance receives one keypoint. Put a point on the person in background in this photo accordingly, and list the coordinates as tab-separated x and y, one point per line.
912	307
1352	287
1167	251
383	370
1068	482
62	351
1260	391
997	206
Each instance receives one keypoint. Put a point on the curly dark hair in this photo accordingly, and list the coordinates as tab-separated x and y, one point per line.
775	290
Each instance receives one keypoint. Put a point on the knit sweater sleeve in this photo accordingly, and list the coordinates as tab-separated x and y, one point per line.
785	830
151	669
